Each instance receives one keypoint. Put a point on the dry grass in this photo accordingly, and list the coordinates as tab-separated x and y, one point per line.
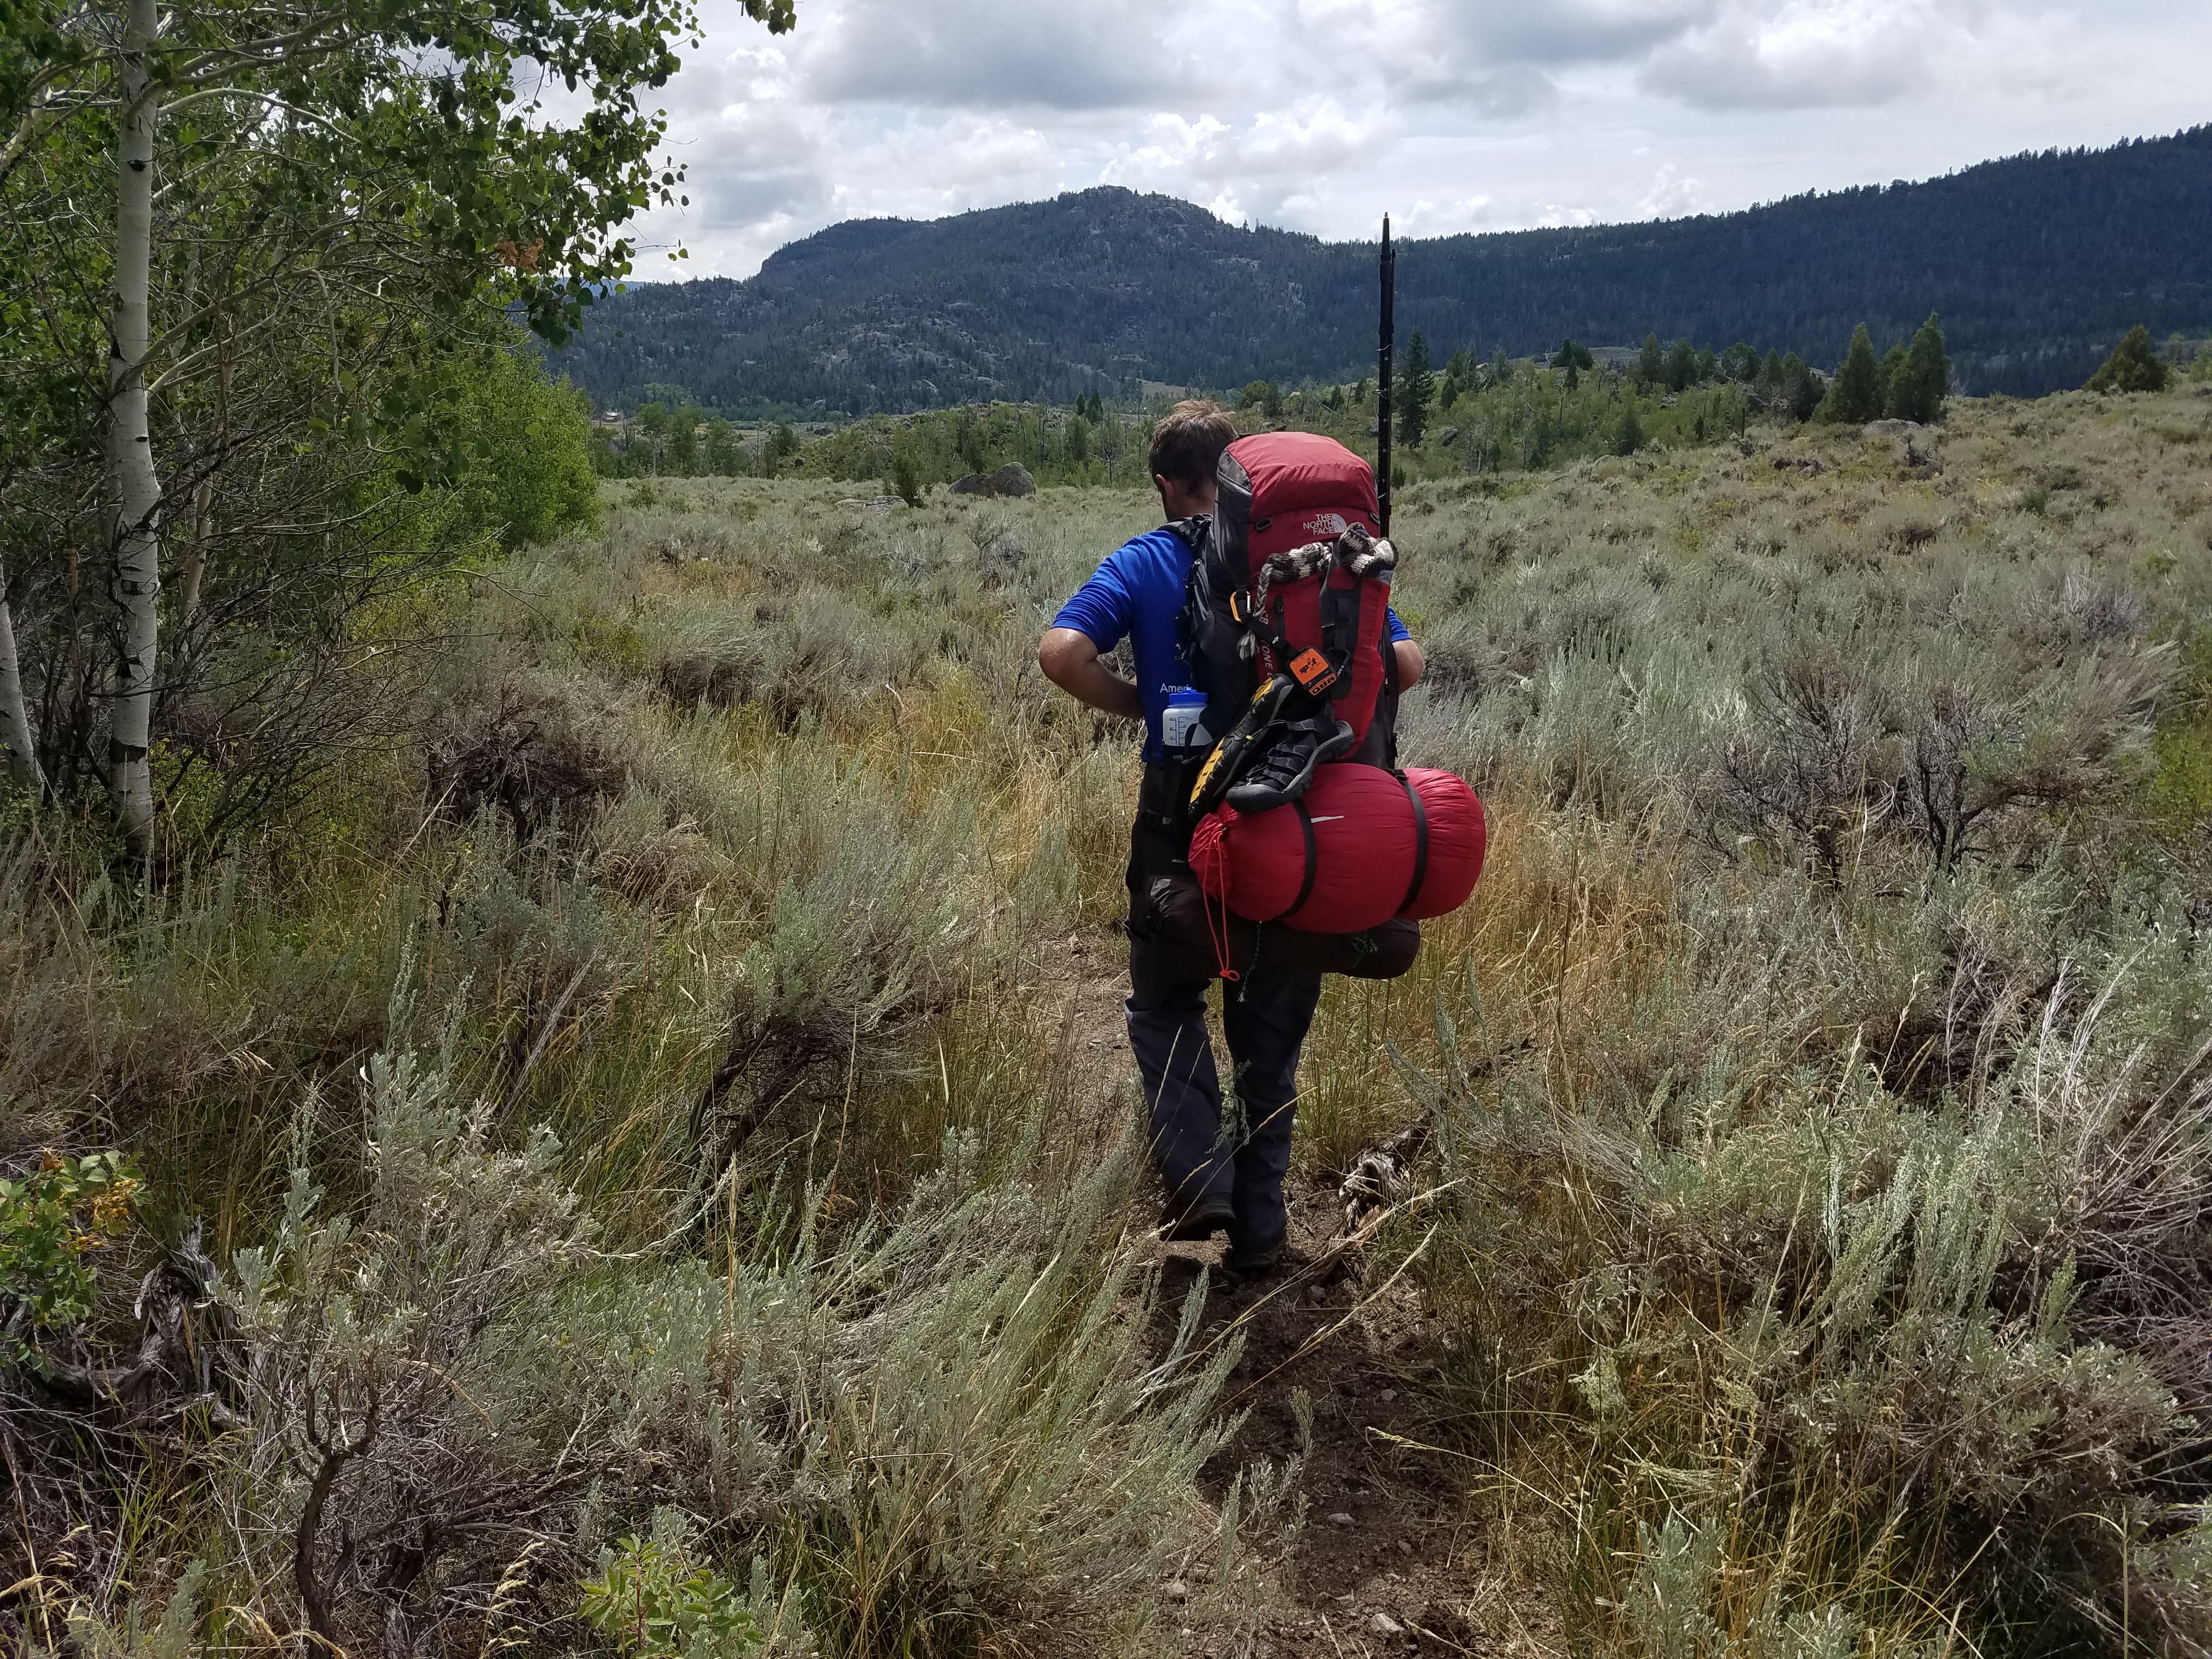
1818	1217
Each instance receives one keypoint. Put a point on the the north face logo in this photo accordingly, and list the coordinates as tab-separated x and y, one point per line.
1325	524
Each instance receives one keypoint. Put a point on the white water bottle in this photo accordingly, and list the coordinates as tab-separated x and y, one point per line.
1182	723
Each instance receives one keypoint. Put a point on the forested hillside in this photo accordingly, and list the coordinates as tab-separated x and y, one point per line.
2038	263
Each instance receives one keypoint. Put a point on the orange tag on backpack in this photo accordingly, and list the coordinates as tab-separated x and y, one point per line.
1311	669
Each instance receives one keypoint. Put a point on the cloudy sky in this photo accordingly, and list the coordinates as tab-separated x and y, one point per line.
1452	114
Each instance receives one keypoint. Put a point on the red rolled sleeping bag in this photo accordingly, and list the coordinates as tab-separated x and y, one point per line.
1359	847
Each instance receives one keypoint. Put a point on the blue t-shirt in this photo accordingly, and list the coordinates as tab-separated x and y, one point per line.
1137	593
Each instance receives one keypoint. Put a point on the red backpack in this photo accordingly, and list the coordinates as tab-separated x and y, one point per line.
1285	630
1294	579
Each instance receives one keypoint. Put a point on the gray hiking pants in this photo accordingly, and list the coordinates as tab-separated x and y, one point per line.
1202	1151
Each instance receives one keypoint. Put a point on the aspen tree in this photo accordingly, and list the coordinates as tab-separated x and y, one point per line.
310	210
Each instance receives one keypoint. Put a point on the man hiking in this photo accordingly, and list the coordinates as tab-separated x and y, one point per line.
1215	1183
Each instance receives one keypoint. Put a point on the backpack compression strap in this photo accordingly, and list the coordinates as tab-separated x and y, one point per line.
1313	861
1420	844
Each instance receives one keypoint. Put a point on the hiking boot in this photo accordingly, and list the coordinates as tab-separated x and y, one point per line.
1247	1261
1285	772
1195	1223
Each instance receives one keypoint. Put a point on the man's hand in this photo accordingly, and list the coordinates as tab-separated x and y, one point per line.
1069	658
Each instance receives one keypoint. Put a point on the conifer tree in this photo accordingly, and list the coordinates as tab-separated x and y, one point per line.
1800	386
1917	390
905	481
1419	391
1574	357
1890	374
1628	436
1681	366
2133	367
1856	396
1650	362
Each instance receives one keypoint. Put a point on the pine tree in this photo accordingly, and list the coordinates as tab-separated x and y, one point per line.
1856	396
1418	390
1628	436
906	482
1917	390
1681	366
1574	357
1889	374
1650	362
968	442
2133	367
1800	386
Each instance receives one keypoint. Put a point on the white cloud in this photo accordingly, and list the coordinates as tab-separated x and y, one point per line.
1757	54
1318	115
1101	54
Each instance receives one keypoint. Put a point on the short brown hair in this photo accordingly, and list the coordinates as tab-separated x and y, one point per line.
1187	442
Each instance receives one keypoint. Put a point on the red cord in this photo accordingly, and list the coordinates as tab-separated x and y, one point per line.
1220	942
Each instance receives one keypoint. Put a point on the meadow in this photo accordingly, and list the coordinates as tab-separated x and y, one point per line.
657	1148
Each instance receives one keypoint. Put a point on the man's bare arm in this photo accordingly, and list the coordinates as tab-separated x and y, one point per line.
1069	658
1410	664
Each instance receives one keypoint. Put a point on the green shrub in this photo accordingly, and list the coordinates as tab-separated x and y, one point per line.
654	1600
52	1218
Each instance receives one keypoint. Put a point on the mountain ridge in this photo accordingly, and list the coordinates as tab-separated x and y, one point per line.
2037	263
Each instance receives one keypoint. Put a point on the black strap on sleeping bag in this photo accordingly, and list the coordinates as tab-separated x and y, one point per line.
1420	843
1313	861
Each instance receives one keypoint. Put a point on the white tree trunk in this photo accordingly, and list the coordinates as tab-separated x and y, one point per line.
16	736
137	578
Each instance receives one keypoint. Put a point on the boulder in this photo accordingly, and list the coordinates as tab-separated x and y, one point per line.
1011	479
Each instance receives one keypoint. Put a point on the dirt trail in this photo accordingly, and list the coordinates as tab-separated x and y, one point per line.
1385	1531
1377	1569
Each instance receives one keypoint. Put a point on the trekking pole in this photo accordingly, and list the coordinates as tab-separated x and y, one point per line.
1389	283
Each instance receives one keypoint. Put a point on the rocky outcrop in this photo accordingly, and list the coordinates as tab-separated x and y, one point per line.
1011	479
